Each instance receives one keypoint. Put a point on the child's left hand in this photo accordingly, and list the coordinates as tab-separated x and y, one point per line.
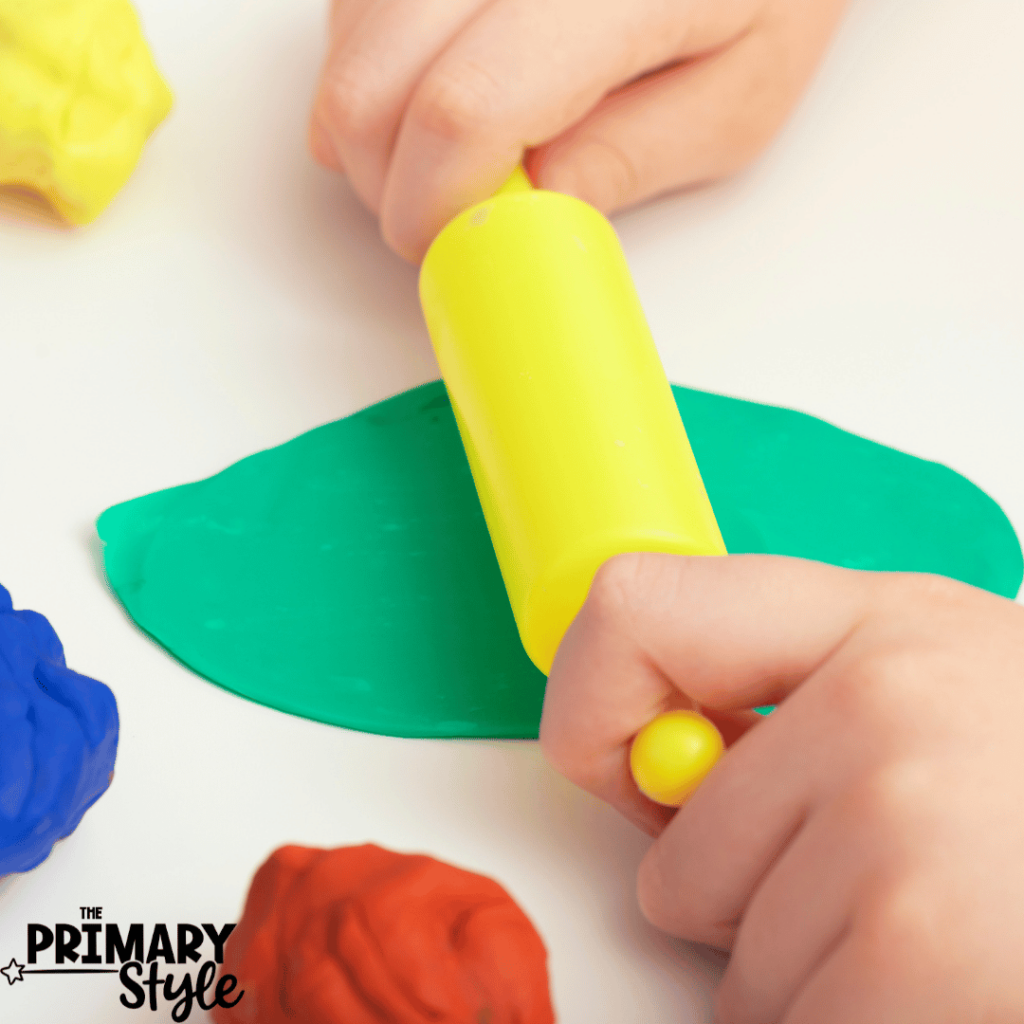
861	850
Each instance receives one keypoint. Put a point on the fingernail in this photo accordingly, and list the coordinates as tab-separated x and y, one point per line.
594	171
559	178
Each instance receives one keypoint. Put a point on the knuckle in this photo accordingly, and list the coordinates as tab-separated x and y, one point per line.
458	101
904	589
573	764
616	587
631	590
899	924
937	607
882	687
893	795
351	105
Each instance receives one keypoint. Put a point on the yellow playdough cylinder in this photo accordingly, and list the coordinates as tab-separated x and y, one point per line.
573	437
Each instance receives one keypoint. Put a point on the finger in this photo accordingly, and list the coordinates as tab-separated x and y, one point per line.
344	14
867	979
732	633
693	122
516	76
378	53
321	145
799	912
342	17
697	880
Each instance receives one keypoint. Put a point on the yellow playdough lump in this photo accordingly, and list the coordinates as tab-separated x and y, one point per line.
79	97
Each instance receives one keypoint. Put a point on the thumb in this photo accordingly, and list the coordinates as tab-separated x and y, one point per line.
659	632
693	122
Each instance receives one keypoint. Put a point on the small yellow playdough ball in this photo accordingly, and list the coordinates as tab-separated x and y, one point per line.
671	755
79	97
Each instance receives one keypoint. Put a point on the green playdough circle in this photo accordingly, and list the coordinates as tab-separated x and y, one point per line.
347	575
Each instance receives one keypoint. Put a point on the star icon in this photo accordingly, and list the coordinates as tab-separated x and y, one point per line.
12	972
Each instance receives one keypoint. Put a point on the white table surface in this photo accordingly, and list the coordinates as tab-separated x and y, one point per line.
869	269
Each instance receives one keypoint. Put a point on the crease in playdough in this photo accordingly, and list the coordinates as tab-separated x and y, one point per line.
347	575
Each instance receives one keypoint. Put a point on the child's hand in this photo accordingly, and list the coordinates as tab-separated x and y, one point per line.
861	850
427	105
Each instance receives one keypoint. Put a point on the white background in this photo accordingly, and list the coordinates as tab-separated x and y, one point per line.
869	269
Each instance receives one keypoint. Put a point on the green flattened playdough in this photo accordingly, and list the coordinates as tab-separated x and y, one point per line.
348	576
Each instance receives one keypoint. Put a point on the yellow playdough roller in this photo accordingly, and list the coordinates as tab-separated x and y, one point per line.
568	420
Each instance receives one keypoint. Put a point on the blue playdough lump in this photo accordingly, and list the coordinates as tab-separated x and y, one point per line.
58	740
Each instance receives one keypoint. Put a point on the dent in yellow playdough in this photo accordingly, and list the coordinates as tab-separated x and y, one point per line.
79	97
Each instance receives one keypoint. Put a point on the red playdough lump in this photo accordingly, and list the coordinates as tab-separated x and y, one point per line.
363	935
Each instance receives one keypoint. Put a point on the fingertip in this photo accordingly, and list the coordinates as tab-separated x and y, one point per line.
417	205
405	224
321	146
670	900
409	245
650	887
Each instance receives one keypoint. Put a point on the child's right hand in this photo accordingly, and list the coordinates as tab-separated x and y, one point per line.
861	850
427	105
